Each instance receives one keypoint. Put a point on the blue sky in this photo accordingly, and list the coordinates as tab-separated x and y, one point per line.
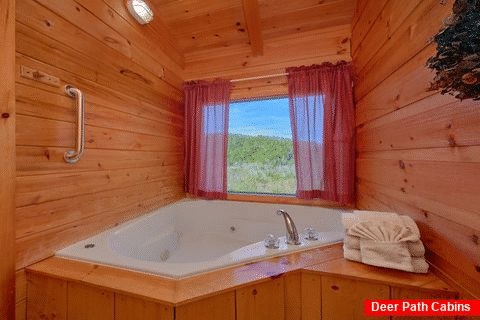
266	117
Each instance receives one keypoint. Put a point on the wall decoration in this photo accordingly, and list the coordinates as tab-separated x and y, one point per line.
457	62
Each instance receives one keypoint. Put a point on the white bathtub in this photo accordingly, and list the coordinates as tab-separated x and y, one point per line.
191	237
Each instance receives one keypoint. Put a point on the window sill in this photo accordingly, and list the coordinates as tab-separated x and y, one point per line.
262	198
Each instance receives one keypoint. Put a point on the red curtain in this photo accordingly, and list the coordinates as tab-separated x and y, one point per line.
206	137
323	130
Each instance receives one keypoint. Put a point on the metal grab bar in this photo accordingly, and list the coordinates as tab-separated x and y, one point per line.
72	156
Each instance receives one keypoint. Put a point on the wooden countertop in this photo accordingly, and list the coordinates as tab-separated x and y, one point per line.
325	260
359	271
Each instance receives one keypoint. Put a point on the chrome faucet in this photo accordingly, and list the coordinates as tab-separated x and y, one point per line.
292	234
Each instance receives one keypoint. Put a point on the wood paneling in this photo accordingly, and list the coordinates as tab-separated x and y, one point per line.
20	295
414	34
258	88
116	67
343	298
362	26
237	62
47	298
89	303
403	87
410	294
363	272
219	307
127	308
311	296
131	77
254	291
218	24
7	159
21	310
293	296
262	301
20	285
327	44
417	149
216	42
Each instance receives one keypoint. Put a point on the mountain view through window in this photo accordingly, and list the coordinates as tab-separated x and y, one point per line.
260	150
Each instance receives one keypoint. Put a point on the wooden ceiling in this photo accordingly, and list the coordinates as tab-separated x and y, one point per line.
210	24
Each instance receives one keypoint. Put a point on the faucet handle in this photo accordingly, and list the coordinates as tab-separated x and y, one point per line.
311	234
272	242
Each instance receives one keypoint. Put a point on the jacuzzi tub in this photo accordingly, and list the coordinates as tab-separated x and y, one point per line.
195	236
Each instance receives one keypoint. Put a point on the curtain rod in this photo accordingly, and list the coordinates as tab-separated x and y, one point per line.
260	77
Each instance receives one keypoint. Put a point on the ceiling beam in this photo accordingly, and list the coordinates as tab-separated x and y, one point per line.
251	9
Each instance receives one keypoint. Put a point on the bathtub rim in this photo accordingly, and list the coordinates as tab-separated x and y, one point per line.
241	263
115	259
176	292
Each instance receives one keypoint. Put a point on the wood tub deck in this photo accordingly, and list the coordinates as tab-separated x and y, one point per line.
313	284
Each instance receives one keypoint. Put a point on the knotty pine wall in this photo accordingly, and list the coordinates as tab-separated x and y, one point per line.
131	78
331	43
417	151
7	158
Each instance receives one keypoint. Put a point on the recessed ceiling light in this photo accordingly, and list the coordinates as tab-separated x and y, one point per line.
140	10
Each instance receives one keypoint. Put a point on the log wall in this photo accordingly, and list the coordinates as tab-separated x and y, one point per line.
418	152
131	78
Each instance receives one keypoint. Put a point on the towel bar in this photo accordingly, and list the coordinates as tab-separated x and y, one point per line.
72	156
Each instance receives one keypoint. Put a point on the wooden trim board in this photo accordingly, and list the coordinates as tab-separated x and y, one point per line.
7	159
258	198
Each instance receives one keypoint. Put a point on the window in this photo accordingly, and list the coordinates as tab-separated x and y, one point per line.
260	150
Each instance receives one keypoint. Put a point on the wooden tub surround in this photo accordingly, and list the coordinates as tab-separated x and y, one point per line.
313	284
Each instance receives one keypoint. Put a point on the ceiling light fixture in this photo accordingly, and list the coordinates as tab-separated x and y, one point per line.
140	10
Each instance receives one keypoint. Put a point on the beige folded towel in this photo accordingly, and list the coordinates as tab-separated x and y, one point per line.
351	242
419	265
384	240
415	248
352	254
382	230
386	254
410	224
351	218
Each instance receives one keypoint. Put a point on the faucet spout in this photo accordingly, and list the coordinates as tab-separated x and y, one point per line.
292	234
